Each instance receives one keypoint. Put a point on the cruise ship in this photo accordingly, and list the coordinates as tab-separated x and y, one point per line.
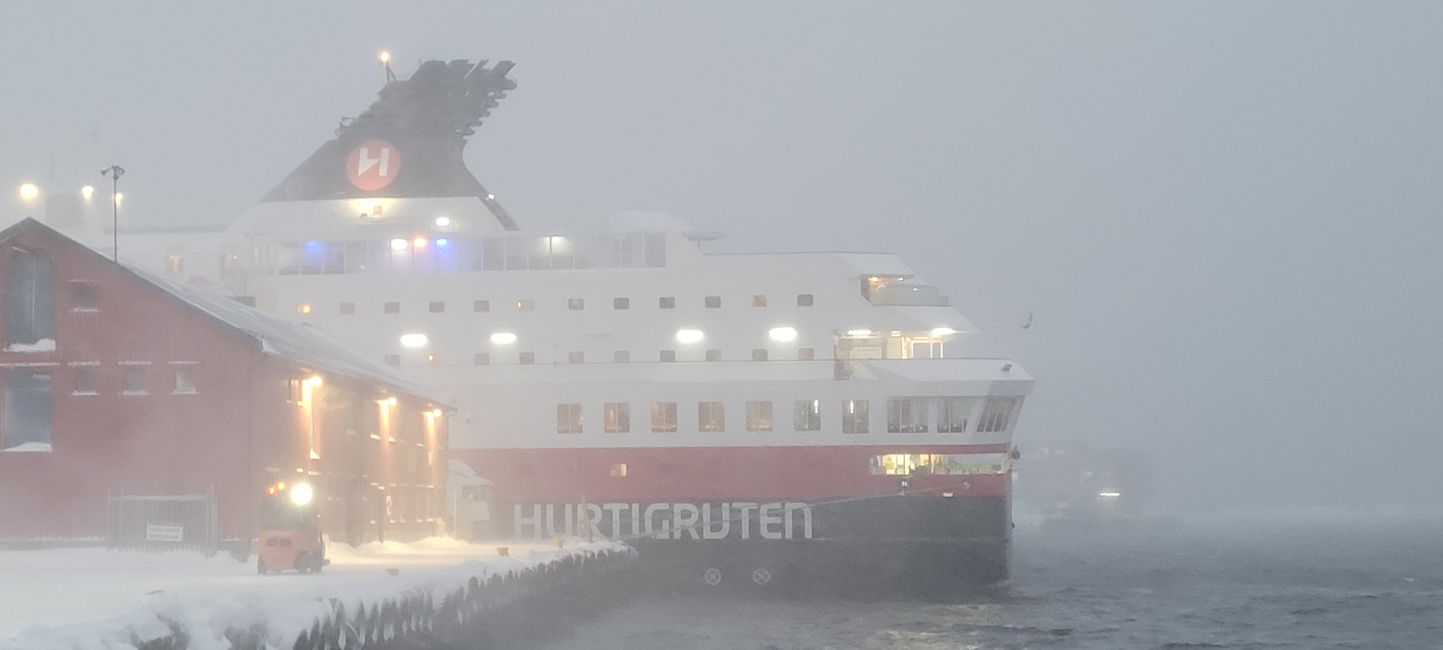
762	420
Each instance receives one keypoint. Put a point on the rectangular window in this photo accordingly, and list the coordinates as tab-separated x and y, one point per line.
621	356
185	380
526	304
29	298
576	304
82	379
663	417
996	414
480	305
759	354
759	416
481	359
293	391
618	470
392	308
940	464
666	302
527	358
713	355
759	300
855	416
952	413
28	412
83	296
393	359
713	302
907	415
576	356
804	300
436	307
711	417
132	380
807	415
616	417
668	355
348	309
806	354
621	303
568	418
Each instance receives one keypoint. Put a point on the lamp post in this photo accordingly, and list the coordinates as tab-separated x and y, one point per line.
114	172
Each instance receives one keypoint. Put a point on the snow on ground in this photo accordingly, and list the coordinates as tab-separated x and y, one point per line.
91	597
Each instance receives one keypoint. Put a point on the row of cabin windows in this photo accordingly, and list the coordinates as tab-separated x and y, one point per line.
572	304
618	356
26	422
30	298
904	415
898	465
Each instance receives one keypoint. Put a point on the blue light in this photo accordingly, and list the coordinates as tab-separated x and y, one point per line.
314	247
442	242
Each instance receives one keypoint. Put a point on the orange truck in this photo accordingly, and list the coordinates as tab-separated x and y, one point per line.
290	536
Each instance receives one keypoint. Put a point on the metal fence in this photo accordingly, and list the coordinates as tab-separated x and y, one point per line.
163	522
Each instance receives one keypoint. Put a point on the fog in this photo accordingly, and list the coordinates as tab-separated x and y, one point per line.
1224	217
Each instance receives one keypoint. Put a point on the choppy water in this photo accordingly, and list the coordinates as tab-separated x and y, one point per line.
1255	582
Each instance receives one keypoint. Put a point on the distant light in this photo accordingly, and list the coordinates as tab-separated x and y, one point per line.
414	340
503	338
419	242
943	331
1109	494
490	197
384	57
303	308
391	401
302	494
398	244
689	336
29	192
442	222
442	242
119	198
87	192
314	381
859	333
435	413
783	334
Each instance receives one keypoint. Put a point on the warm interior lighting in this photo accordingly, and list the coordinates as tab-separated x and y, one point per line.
303	309
503	338
398	244
419	242
783	334
414	340
689	336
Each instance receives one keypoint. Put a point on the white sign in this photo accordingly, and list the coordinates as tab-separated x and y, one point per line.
154	533
705	521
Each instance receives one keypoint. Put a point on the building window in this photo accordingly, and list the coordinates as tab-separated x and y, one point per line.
175	266
668	355
759	300
526	304
436	307
759	416
807	415
481	359
132	379
616	417
711	417
528	358
621	356
392	308
996	414
806	354
713	302
185	380
83	297
568	418
907	415
303	309
713	355
663	417
29	299
666	302
759	354
348	309
855	416
29	409
576	304
621	303
804	300
576	356
293	391
952	415
82	379
618	470
481	305
393	359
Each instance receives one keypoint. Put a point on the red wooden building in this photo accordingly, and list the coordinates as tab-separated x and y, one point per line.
120	382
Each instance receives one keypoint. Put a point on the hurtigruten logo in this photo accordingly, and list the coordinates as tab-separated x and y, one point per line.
372	165
705	521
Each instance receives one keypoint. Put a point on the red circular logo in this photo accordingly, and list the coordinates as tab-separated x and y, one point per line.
372	165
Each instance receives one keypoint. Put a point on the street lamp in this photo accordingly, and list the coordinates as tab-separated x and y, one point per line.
114	172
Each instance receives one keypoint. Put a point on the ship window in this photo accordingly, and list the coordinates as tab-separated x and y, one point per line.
940	464
481	359
493	254
28	411
711	417
663	417
393	359
655	244
759	416
29	298
804	300
855	416
666	302
616	417
568	418
996	414
806	354
713	302
293	391
526	304
437	307
576	356
185	380
82	379
907	415
713	355
759	300
348	308
618	470
527	358
621	356
576	304
759	354
132	379
621	303
952	415
392	308
807	415
481	305
668	355
83	296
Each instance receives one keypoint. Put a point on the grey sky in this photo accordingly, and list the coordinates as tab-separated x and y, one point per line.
1224	215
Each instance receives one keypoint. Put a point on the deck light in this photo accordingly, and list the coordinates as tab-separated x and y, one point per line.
442	222
863	333
503	338
490	197
398	244
943	331
783	334
689	336
1109	494
414	340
